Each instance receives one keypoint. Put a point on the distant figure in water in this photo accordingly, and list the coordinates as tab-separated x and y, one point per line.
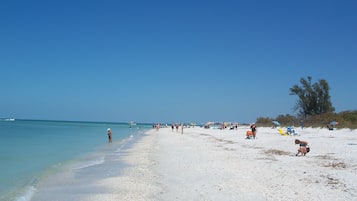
109	135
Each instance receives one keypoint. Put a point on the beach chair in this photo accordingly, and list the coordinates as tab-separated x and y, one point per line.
281	132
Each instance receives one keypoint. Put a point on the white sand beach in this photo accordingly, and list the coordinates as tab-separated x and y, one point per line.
207	164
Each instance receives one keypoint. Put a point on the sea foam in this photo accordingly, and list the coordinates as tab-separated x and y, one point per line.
27	195
91	163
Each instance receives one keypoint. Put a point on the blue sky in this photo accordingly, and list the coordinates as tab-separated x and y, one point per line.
172	61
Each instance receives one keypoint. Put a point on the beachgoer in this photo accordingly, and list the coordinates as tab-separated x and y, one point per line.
249	135
302	147
172	127
253	127
329	127
302	124
109	135
181	128
290	130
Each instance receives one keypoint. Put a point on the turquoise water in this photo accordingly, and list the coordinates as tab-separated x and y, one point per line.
31	150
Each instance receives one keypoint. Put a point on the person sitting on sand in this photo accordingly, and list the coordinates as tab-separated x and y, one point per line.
302	147
329	127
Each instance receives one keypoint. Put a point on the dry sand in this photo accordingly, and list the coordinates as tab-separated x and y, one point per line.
207	164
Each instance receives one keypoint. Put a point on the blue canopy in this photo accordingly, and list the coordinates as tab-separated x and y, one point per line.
276	123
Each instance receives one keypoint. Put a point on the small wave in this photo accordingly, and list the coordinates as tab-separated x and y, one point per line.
124	143
91	163
27	195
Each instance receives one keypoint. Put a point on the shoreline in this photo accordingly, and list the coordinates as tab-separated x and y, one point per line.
209	164
81	178
136	179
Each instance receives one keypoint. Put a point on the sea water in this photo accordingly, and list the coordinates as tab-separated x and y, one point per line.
36	154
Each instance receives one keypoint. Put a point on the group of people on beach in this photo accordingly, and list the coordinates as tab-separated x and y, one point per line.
303	145
173	126
302	150
176	126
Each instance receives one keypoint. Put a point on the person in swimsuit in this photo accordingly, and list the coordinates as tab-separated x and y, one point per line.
109	135
253	127
302	147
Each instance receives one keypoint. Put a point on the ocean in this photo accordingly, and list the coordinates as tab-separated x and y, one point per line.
42	160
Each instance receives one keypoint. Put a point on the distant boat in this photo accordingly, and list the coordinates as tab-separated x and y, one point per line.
132	123
10	119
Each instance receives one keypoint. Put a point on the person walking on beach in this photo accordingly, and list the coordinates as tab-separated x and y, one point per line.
181	128
303	147
109	135
302	124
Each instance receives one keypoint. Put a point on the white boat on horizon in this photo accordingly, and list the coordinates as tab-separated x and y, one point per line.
132	123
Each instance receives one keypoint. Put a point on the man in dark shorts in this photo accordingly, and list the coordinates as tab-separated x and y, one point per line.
109	135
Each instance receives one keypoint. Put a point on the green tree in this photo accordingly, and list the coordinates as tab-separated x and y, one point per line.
313	98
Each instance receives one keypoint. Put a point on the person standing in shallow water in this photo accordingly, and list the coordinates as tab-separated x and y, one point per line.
109	135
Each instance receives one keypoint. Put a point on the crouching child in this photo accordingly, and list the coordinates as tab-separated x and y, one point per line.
303	147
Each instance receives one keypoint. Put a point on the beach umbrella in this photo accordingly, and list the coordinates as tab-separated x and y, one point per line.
333	123
276	123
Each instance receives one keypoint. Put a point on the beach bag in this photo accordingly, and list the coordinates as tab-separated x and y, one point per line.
308	149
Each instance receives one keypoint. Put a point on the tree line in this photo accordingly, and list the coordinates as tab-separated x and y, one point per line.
314	108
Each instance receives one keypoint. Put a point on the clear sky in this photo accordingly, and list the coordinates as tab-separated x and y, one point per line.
172	61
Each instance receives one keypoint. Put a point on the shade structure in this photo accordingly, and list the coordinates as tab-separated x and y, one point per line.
276	123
